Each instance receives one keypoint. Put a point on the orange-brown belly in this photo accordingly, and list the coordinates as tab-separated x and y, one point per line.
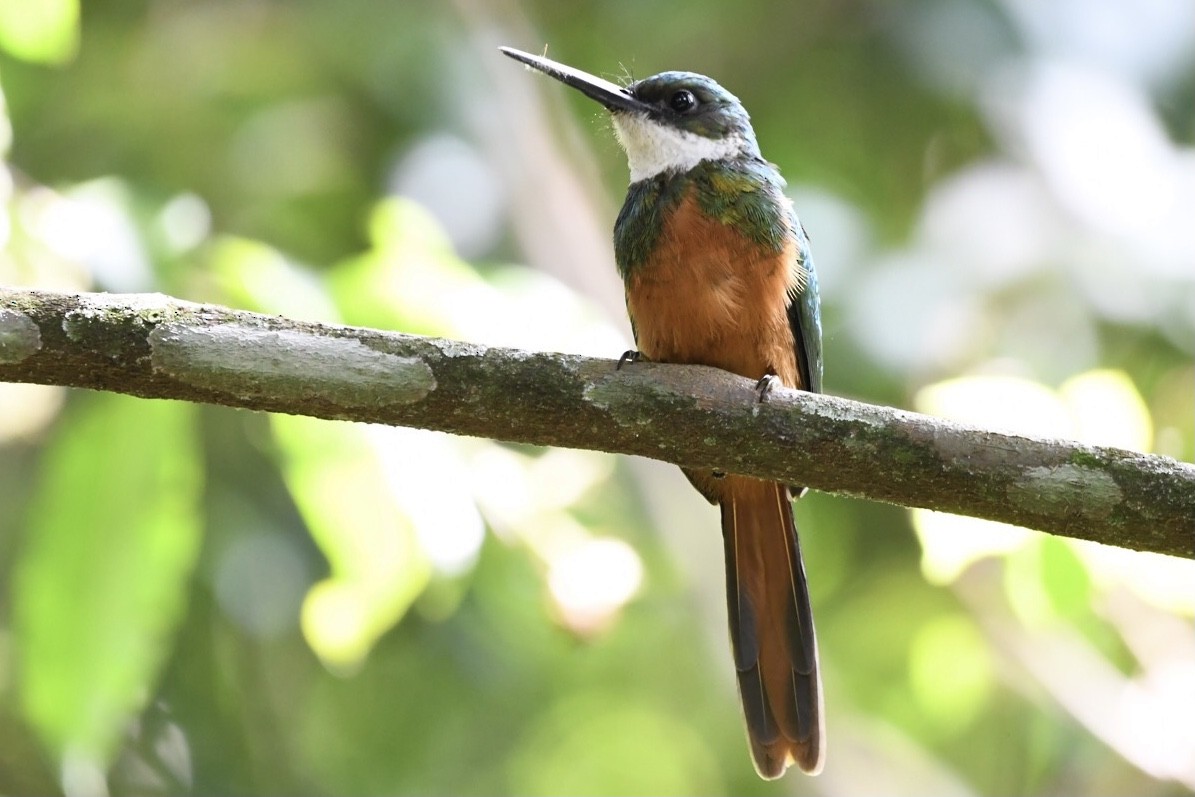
710	296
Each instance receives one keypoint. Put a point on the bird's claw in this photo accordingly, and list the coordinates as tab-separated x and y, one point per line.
764	386
628	356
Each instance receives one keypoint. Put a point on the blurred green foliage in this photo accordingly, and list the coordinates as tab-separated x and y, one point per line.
200	600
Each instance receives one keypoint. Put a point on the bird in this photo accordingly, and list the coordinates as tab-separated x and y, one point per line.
717	271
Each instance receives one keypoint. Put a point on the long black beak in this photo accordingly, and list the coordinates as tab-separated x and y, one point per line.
611	95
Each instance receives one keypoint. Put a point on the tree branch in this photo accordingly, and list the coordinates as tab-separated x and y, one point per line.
157	347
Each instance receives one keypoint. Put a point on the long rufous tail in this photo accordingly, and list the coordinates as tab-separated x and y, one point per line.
771	628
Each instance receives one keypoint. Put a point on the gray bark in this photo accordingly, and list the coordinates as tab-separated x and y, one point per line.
157	347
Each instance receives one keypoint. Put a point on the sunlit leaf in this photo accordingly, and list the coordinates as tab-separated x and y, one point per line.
950	670
410	279
378	567
1167	582
93	225
113	534
592	580
1064	577
44	31
1023	584
256	276
26	410
1108	410
997	402
1047	580
952	543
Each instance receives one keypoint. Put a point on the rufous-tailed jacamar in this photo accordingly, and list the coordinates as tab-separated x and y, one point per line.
718	272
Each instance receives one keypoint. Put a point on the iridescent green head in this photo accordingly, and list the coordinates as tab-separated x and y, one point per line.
668	122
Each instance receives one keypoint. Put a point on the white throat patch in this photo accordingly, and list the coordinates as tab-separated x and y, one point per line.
653	148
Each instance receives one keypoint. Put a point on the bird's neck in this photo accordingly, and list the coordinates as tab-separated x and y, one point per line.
655	148
743	193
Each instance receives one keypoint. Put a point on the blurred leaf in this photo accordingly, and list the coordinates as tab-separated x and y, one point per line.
605	744
26	410
1108	410
410	279
952	543
43	31
256	276
1023	585
1046	580
999	402
1166	582
378	567
1064	577
951	671
102	583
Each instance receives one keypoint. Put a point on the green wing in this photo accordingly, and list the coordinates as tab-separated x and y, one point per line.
805	317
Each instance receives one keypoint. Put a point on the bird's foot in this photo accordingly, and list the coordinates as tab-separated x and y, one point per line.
764	386
628	356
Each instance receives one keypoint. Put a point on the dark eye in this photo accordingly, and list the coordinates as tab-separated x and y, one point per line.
683	101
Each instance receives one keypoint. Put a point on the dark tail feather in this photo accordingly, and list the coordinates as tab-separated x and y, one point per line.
771	628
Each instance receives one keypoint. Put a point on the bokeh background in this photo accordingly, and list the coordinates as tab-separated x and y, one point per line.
1001	198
